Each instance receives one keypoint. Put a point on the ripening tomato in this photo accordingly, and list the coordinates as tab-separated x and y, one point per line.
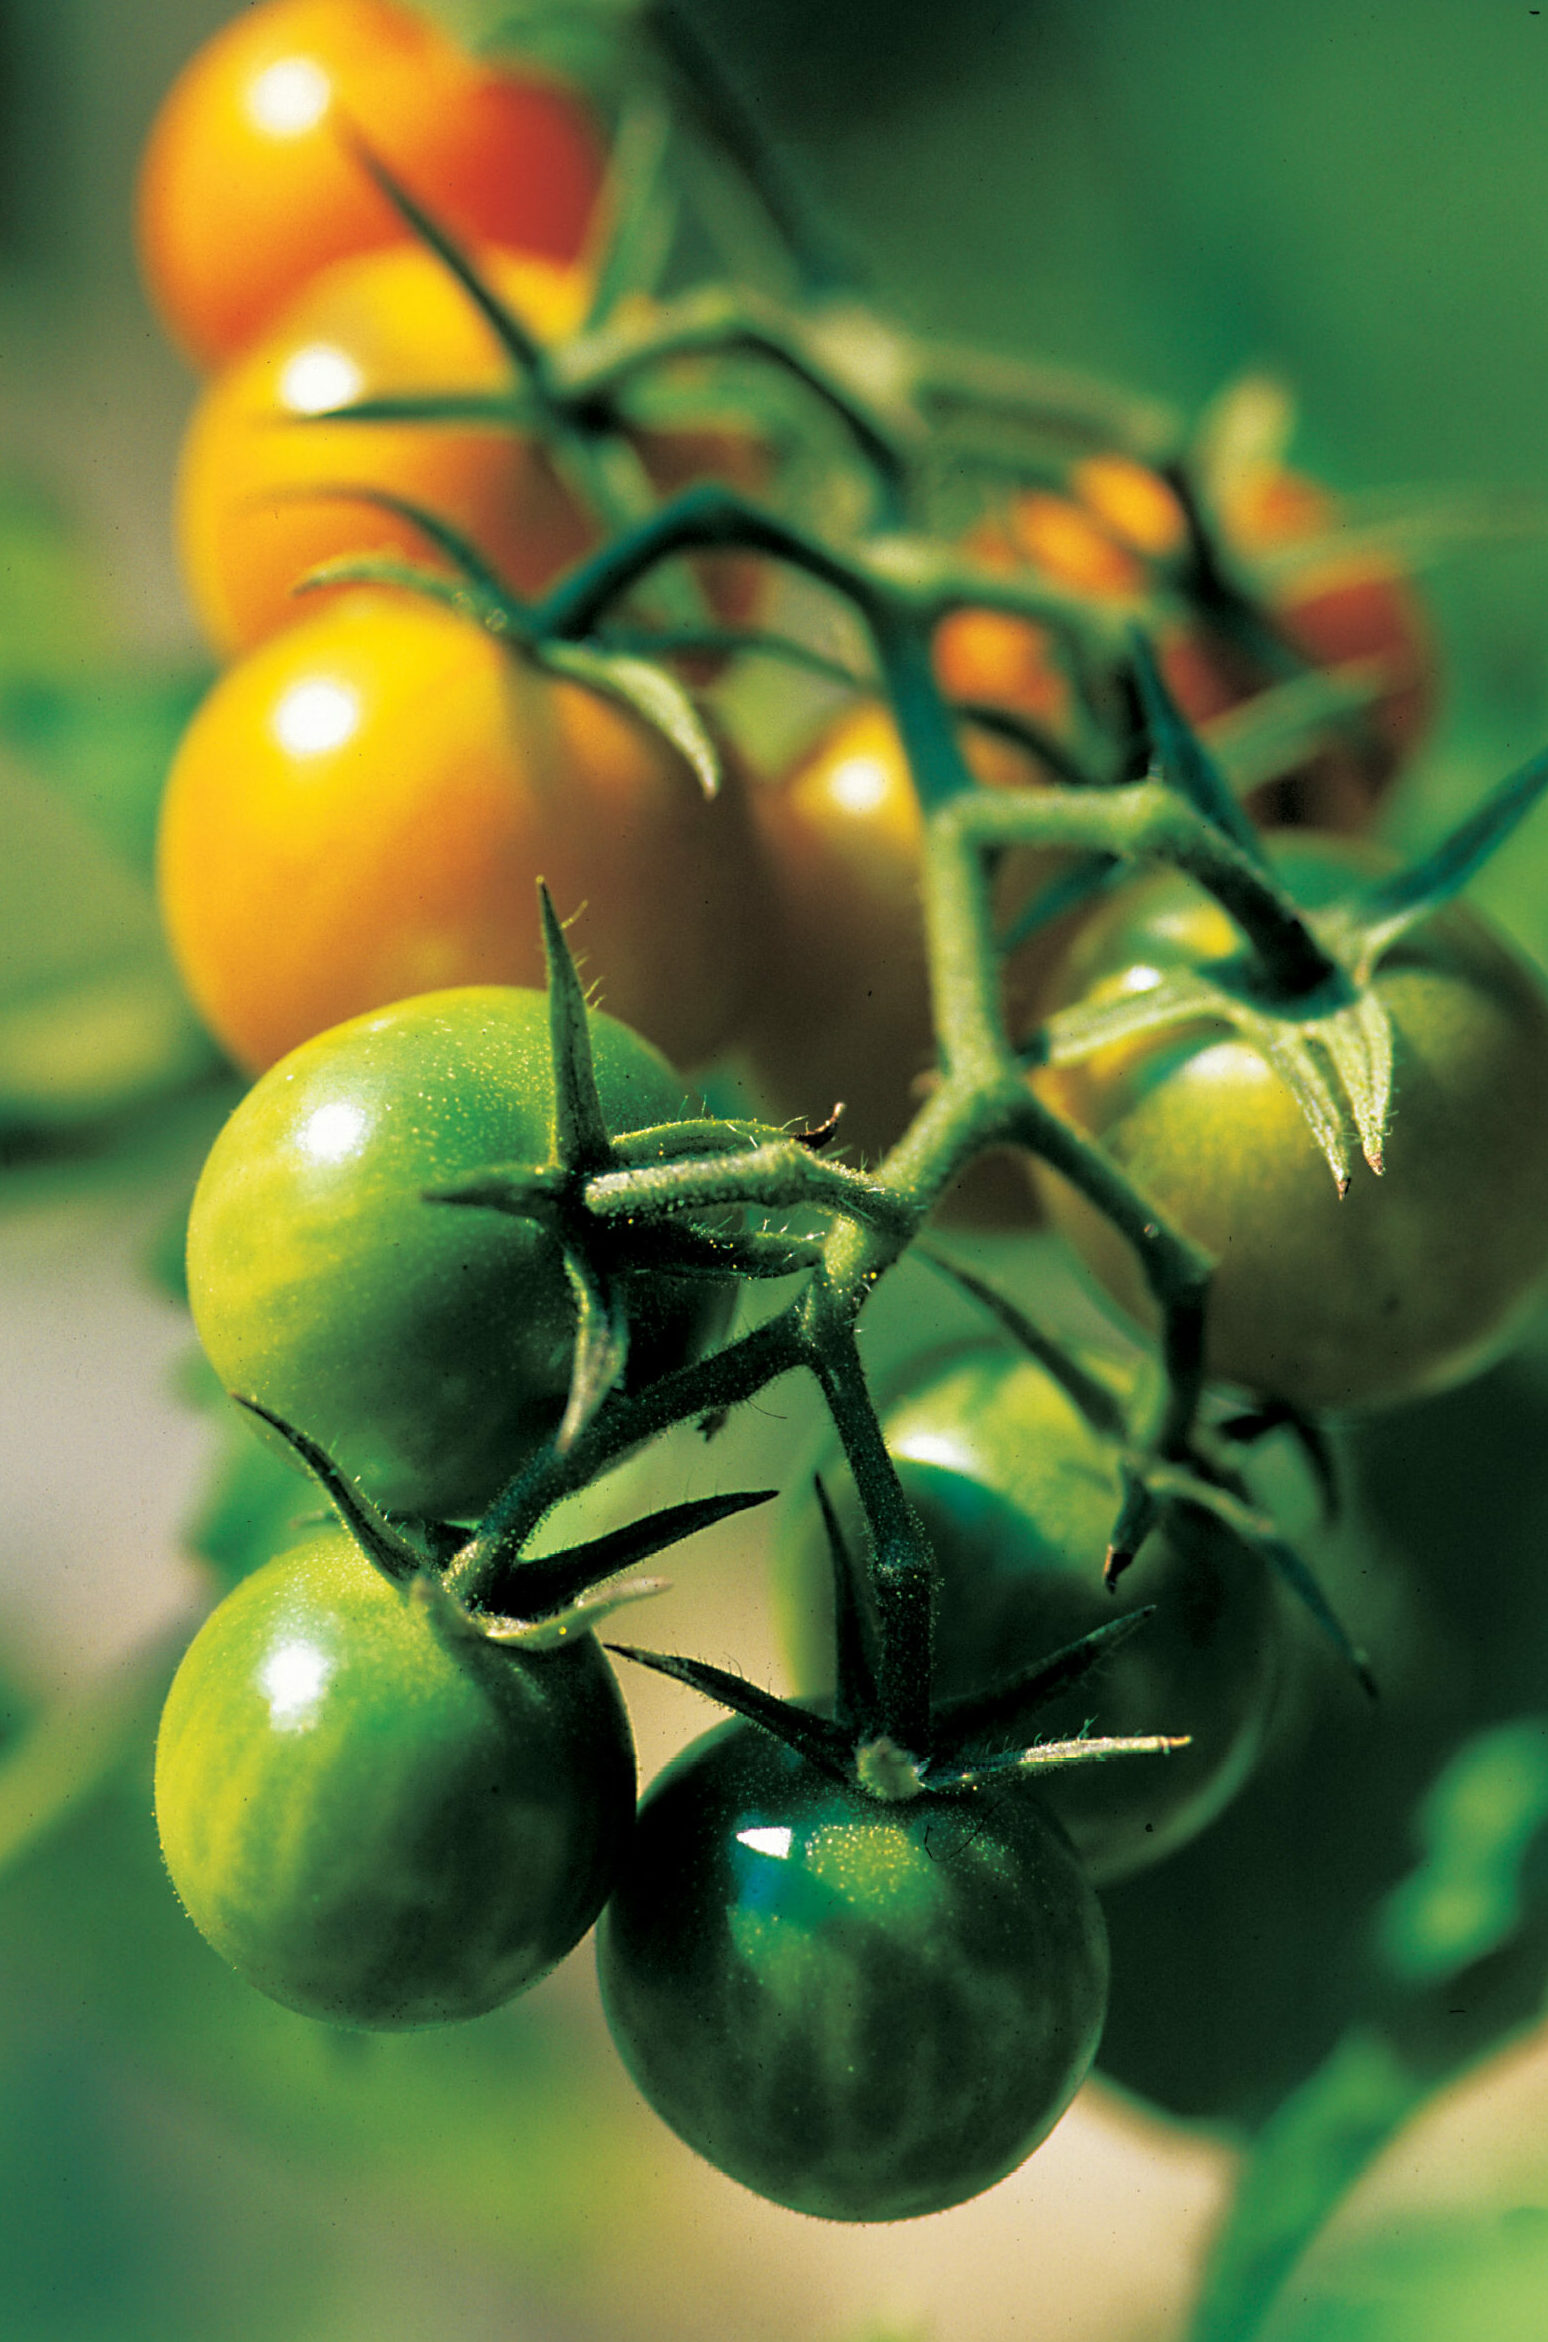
842	1011
361	809
1409	1282
377	1820
255	504
379	324
865	2011
427	1349
1106	538
249	188
1018	1496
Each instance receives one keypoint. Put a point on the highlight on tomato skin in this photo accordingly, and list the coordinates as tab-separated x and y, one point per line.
426	1350
361	809
252	514
378	1821
1405	1285
863	2011
247	186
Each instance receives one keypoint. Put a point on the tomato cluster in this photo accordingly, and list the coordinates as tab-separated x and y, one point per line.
466	1242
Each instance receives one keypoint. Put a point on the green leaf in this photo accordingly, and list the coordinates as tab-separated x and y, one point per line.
1483	1871
1306	2156
648	691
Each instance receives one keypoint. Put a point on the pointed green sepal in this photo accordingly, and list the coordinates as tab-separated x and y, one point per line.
527	1191
1181	756
581	1617
1092	1398
1393	905
519	344
1052	1756
857	1702
976	1720
532	1588
601	1347
1138	1513
581	1142
647	691
396	1554
822	1743
463	555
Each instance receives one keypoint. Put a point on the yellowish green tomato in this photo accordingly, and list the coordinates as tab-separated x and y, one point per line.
864	2011
426	1348
1412	1280
377	1821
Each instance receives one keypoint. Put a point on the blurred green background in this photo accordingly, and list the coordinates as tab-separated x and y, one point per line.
1166	193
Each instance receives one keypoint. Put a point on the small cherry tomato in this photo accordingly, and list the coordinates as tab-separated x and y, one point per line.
377	1819
380	324
864	2011
1410	1281
249	186
264	494
427	1349
843	1010
361	810
1018	1496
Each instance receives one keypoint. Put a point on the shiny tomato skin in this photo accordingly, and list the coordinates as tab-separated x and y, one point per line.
843	1010
377	324
426	1348
862	2011
361	810
1412	1280
1018	1497
376	1822
248	186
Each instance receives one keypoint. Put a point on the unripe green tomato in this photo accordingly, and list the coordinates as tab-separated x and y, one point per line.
378	1821
427	1348
865	2011
1018	1497
1414	1279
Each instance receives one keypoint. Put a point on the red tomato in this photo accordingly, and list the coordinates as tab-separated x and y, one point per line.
248	189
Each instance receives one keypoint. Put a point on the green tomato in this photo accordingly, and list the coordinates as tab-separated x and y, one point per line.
1018	1497
1411	1281
426	1349
377	1821
864	2011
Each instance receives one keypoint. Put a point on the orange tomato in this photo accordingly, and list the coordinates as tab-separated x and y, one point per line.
381	324
248	187
361	809
1120	519
842	1010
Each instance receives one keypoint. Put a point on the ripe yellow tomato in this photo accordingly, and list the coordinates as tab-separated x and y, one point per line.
362	807
248	186
383	323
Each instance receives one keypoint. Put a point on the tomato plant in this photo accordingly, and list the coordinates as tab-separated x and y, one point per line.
248	186
1409	1281
428	1350
1018	1495
863	2011
381	1820
360	811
